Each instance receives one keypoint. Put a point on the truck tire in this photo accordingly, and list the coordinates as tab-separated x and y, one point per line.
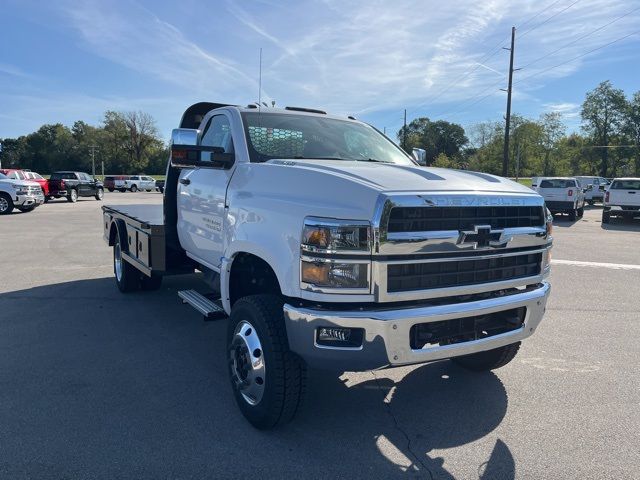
99	194
606	217
127	276
73	196
27	209
122	190
489	360
581	212
148	284
111	189
6	204
134	188
268	380
573	214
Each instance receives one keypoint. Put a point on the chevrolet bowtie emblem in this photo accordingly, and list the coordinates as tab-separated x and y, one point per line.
482	237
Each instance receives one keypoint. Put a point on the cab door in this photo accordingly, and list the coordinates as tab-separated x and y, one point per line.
84	185
202	198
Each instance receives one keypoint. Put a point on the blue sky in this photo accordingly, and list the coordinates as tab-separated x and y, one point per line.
63	61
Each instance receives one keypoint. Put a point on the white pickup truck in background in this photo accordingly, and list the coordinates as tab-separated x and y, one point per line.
593	187
622	199
329	247
25	195
562	195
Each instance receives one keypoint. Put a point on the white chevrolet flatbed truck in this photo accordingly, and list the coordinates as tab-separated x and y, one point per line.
329	247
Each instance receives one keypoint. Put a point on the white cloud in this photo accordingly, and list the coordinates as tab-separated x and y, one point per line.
361	56
566	109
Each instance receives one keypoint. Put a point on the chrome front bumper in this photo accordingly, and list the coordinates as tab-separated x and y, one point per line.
29	200
387	332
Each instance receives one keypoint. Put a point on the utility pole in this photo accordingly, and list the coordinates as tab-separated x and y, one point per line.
93	159
404	132
102	162
505	156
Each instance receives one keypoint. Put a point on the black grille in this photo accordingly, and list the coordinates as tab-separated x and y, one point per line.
424	276
429	219
424	335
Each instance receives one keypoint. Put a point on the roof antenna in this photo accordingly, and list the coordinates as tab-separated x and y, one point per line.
260	82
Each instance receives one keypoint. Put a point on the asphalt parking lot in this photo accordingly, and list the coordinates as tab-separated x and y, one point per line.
95	384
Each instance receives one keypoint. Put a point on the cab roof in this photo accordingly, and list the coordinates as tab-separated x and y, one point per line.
192	117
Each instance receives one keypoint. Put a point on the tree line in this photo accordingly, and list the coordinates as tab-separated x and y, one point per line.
127	143
608	143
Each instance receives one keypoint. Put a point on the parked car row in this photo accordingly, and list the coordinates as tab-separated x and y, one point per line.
620	197
18	187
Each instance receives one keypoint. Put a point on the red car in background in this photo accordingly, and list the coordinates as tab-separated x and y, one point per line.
18	174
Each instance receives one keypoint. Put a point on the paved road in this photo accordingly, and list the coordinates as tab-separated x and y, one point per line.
95	384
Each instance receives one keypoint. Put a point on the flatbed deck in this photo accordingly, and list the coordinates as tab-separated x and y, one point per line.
146	215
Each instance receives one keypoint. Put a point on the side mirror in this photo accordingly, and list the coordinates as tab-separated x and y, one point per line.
184	136
185	151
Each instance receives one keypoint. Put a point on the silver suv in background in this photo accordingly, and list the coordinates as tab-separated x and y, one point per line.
140	182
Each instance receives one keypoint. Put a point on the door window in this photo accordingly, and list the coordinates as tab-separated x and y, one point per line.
217	134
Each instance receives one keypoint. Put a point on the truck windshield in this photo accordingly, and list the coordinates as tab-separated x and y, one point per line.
284	135
557	183
626	185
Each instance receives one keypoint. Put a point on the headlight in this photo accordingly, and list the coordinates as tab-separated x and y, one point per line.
549	223
20	189
322	238
336	236
334	274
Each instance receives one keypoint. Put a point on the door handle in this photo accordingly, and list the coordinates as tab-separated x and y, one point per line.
185	181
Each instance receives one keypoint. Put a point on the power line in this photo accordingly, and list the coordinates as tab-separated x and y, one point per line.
539	13
581	37
492	52
540	72
463	105
550	18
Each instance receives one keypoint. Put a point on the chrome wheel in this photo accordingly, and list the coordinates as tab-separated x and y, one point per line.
73	195
4	204
100	194
117	261
246	359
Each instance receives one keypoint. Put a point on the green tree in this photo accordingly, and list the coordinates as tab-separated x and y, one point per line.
602	118
552	130
442	161
435	138
632	127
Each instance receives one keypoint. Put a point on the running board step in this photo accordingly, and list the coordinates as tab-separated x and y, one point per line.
209	308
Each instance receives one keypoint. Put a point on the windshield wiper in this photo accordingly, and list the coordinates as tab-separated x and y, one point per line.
373	160
301	157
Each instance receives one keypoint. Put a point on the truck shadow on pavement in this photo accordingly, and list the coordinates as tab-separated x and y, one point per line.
103	385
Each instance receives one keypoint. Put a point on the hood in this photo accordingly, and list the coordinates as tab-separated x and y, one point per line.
19	183
385	177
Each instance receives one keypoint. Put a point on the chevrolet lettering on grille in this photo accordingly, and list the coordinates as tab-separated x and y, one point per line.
482	236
